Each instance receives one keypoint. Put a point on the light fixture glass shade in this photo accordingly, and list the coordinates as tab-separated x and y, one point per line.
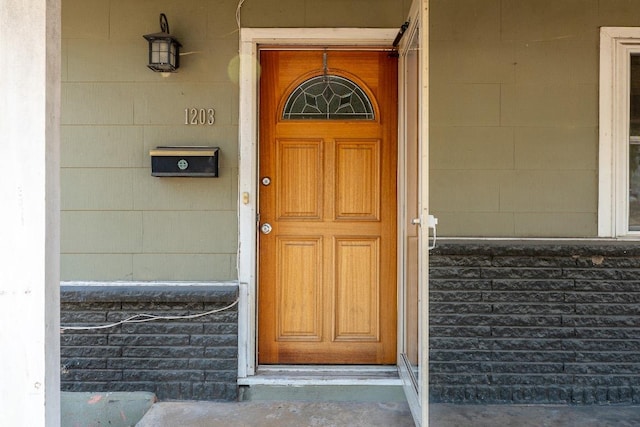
163	55
164	49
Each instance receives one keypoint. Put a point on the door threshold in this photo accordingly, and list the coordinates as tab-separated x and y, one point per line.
336	375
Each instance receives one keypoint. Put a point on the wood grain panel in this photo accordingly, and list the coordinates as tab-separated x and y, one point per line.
357	290
299	297
358	180
327	271
299	183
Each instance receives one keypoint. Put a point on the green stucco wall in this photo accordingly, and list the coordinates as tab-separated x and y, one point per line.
514	116
119	222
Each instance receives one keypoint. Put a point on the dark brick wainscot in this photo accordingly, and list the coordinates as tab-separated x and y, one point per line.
511	322
182	359
535	322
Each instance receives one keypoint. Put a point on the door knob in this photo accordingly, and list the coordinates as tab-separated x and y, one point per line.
266	228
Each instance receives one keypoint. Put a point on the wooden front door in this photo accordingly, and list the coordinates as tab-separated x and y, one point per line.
327	208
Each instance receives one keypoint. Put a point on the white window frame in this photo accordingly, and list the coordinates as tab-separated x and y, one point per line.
616	46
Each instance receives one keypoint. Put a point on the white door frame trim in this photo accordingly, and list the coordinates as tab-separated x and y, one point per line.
250	40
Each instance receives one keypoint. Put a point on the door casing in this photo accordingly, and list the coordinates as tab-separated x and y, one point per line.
250	41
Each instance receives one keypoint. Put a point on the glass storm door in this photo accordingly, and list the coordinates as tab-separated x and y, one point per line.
415	220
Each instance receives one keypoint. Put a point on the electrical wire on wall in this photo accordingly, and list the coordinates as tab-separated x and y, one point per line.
238	13
142	318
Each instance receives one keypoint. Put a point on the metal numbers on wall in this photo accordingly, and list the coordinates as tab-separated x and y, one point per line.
199	116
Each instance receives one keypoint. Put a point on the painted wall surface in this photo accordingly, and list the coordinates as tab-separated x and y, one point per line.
30	215
514	114
119	222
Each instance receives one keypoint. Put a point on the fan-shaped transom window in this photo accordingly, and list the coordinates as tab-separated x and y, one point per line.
328	97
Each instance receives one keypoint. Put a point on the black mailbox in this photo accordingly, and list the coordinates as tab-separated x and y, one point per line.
185	161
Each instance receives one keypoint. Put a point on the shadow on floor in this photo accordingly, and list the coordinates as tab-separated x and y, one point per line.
389	414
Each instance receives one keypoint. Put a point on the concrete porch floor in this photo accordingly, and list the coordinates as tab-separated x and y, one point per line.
388	414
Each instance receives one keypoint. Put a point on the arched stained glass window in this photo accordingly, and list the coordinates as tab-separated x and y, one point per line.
328	97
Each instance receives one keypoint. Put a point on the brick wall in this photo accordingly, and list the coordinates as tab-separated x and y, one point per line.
178	359
526	322
511	322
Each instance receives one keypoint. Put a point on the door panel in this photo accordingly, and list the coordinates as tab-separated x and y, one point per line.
300	289
327	270
299	165
357	290
358	180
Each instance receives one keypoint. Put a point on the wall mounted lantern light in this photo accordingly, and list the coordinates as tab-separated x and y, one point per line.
164	49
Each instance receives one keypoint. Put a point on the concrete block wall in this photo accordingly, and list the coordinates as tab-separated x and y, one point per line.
510	322
515	322
182	359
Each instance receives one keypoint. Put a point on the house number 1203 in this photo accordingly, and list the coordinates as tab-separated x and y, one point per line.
199	116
